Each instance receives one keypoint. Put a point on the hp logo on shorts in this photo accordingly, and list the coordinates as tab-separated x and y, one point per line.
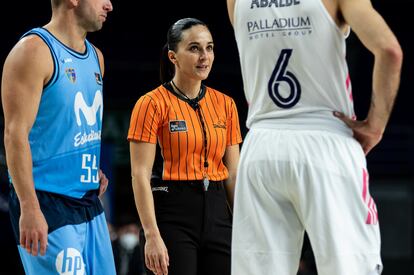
70	262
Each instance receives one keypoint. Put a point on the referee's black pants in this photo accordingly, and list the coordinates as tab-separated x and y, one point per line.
195	226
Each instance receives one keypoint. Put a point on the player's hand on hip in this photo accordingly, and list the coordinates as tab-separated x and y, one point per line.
103	183
33	231
156	255
364	133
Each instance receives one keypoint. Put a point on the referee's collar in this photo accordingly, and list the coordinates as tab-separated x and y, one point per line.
169	87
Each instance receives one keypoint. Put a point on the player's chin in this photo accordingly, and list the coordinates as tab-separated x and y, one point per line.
95	27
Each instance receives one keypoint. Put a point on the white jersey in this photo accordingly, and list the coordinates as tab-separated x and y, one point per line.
291	79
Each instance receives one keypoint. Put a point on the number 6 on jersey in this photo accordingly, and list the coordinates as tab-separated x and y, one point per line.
279	75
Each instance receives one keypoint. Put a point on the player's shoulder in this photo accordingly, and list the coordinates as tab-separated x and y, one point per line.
30	53
98	51
30	46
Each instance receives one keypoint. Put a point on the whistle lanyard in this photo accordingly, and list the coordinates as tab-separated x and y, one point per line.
205	177
197	108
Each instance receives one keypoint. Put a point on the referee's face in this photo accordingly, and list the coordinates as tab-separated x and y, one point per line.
195	53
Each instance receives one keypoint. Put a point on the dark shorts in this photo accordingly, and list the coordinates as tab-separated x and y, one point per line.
195	226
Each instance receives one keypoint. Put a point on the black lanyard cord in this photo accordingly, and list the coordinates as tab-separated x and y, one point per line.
206	182
197	108
203	127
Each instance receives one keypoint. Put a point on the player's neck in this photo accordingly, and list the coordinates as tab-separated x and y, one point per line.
68	34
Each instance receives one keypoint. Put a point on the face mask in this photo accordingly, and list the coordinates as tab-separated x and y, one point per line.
128	241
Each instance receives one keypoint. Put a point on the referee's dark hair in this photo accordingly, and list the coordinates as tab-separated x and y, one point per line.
174	36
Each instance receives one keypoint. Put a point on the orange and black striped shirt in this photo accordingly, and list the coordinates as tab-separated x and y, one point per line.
166	116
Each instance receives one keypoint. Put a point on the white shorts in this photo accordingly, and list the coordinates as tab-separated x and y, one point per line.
290	181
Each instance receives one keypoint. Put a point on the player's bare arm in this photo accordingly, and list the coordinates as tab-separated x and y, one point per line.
27	69
103	180
230	10
378	38
101	60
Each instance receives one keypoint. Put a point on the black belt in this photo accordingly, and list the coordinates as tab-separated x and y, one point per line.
214	185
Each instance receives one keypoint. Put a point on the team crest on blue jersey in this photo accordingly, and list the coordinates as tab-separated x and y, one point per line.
71	74
98	78
178	126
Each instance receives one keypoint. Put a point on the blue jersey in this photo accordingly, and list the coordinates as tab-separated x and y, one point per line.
65	139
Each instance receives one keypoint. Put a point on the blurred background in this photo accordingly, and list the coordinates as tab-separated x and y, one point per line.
131	41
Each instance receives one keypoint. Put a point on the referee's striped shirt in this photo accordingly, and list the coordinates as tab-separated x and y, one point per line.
164	116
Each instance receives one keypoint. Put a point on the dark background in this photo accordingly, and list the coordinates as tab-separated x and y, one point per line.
131	41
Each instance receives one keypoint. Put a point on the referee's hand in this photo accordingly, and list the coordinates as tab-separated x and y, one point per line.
156	255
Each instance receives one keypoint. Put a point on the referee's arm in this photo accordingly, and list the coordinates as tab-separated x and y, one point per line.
142	159
231	160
